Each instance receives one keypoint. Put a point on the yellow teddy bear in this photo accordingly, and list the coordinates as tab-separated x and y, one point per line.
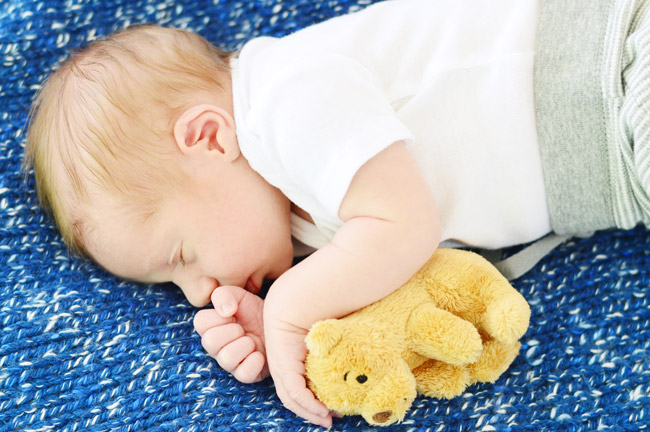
455	322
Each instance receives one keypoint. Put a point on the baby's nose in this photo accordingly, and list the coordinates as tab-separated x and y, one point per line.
199	289
206	285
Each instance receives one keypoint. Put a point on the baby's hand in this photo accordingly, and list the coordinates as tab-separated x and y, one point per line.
286	352
233	333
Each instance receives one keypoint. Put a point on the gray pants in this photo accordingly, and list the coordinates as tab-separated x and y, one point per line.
592	96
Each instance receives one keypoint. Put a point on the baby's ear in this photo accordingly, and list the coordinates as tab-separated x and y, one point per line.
208	130
324	336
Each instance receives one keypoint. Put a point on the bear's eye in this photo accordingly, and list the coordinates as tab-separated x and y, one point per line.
360	378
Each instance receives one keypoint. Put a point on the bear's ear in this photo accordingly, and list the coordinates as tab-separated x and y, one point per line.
323	336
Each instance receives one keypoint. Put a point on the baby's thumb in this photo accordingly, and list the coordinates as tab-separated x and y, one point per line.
226	299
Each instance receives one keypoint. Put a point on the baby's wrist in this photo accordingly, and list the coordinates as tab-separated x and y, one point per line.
283	308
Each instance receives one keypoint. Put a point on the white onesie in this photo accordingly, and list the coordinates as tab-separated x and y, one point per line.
451	78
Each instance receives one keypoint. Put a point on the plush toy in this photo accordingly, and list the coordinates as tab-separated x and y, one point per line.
454	323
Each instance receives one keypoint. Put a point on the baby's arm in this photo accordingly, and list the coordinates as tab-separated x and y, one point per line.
390	229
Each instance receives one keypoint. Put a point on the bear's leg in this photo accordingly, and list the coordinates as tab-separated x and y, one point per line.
495	358
471	287
438	334
441	380
507	314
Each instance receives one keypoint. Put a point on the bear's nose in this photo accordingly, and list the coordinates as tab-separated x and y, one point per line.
382	417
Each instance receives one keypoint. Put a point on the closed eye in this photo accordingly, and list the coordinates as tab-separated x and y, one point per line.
181	260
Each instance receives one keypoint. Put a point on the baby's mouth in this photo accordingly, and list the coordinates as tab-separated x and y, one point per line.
250	286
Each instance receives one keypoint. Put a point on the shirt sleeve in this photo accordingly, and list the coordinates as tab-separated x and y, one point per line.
324	120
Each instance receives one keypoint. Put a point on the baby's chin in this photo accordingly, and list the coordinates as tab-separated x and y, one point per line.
283	263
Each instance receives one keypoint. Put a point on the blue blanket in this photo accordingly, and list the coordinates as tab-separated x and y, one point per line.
83	351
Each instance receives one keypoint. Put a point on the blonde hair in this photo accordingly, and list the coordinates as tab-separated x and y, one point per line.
104	119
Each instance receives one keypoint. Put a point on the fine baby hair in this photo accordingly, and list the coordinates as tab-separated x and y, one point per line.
101	122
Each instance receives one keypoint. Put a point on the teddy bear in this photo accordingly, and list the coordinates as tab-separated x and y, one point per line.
456	322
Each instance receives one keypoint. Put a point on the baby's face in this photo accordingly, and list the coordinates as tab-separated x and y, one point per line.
224	227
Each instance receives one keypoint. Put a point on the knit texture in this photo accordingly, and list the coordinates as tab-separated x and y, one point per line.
83	351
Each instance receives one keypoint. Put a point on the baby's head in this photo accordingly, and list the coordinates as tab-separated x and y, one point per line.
134	151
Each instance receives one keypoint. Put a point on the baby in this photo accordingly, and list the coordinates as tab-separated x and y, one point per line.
370	139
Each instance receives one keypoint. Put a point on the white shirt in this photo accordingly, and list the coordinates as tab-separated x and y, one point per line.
451	78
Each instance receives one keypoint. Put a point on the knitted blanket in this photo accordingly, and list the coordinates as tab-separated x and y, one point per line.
83	351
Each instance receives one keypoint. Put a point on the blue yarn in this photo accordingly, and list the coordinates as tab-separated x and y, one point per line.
83	351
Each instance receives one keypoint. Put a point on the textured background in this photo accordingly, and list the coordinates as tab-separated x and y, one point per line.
82	351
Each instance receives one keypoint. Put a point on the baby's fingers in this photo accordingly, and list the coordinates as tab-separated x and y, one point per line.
252	368
226	299
231	355
215	338
298	398
206	319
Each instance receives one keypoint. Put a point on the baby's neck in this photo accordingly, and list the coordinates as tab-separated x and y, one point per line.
300	212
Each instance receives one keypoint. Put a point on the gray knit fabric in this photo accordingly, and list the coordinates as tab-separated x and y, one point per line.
570	114
592	97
